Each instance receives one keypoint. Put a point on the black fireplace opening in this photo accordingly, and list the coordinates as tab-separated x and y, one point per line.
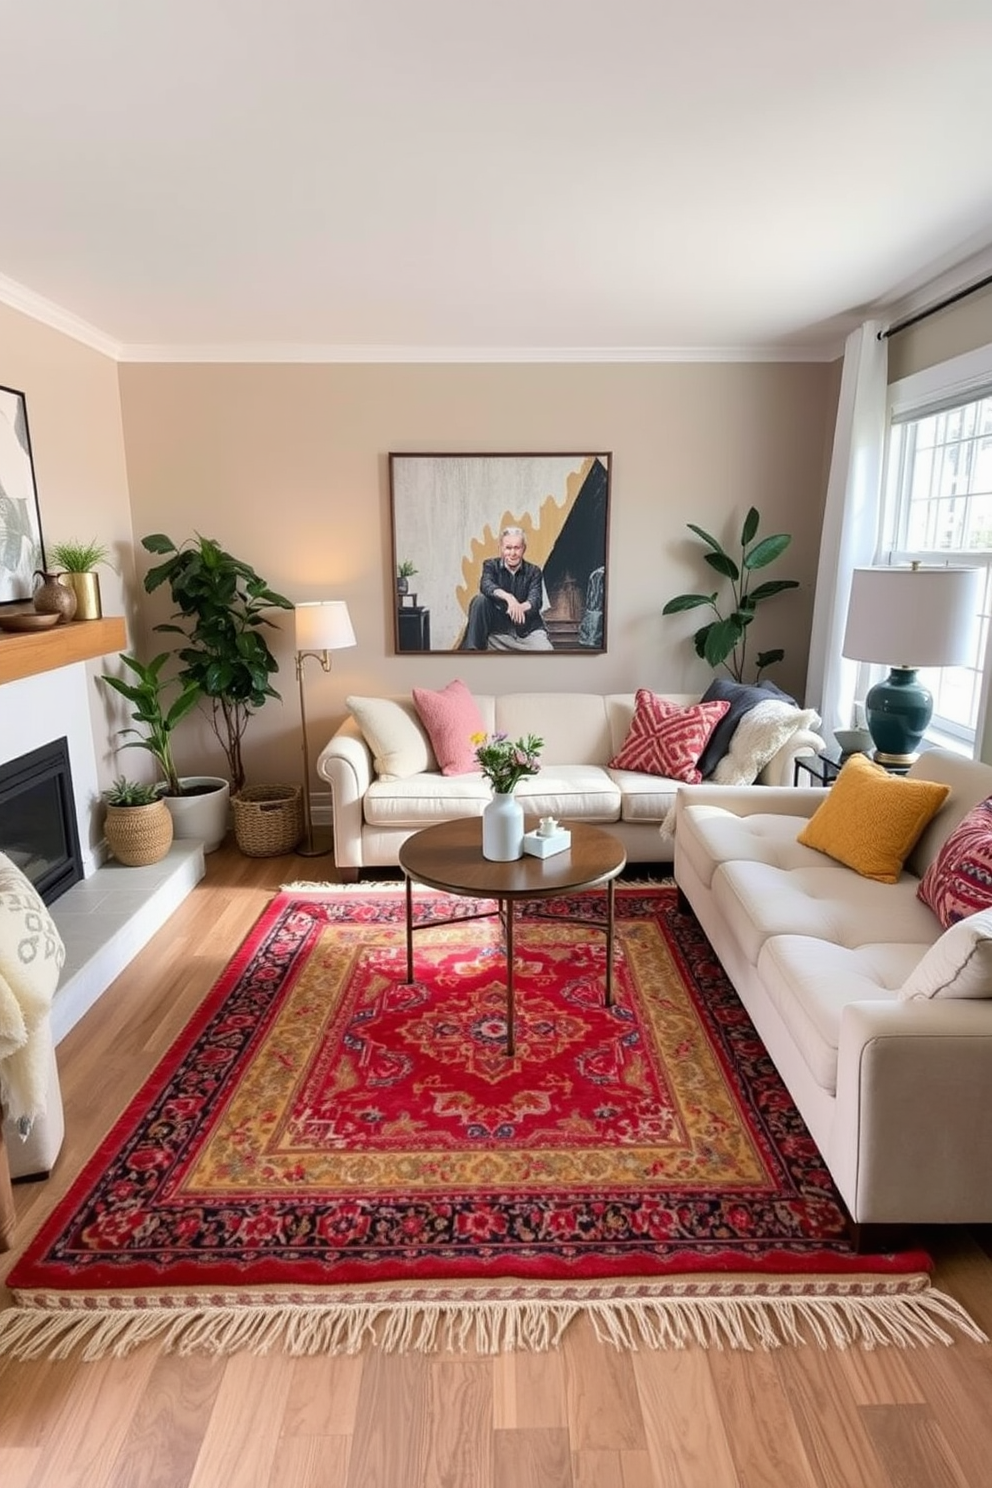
38	819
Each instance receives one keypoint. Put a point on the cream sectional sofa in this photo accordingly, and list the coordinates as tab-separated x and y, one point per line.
896	1093
374	815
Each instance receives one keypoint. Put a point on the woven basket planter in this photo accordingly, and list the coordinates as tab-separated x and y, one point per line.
268	819
138	835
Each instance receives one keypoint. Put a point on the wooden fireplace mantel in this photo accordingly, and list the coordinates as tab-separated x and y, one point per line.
24	655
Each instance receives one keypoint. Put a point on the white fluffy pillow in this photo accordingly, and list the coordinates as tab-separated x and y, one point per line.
31	958
398	740
959	964
758	737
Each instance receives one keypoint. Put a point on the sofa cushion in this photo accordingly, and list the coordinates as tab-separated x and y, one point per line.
666	739
710	835
740	698
810	981
871	820
825	902
392	729
644	798
959	880
571	793
758	737
421	800
958	964
451	718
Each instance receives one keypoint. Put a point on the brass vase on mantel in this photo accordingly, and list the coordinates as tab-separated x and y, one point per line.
86	587
52	597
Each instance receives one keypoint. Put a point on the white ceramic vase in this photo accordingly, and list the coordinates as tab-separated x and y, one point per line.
503	828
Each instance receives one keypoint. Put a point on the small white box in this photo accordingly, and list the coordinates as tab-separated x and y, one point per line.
546	847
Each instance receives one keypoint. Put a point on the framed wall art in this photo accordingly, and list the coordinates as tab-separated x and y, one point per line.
21	550
498	553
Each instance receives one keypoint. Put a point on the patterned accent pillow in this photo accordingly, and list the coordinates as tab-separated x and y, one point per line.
667	739
870	820
451	717
958	882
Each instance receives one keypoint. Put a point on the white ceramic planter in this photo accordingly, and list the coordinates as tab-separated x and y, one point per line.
205	815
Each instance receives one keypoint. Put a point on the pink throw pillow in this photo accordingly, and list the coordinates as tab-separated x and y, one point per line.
667	739
451	717
958	882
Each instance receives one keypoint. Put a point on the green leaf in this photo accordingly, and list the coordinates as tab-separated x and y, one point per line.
767	550
765	658
699	531
724	565
157	542
687	602
770	587
750	526
723	637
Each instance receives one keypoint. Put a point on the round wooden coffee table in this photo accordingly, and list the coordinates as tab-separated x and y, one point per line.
449	857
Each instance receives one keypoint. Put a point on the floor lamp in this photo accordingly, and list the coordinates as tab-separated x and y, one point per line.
322	626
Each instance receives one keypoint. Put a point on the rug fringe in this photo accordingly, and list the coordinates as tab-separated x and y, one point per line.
489	1327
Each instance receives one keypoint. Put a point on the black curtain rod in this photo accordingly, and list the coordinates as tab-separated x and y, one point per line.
911	320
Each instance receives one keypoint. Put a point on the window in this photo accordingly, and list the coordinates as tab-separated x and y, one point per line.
939	509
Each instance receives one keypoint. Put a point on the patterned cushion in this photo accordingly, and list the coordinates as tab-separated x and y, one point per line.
666	739
451	717
870	820
959	880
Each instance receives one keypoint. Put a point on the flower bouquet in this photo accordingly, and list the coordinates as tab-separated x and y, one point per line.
504	762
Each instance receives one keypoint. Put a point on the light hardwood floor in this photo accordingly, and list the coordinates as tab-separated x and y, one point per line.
586	1416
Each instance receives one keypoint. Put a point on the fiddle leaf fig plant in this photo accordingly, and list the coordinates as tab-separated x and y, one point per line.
221	603
723	641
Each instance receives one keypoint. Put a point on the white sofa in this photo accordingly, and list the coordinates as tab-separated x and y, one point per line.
373	816
897	1094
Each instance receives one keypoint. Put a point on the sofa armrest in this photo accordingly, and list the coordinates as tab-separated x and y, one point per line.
780	769
913	1117
749	800
345	763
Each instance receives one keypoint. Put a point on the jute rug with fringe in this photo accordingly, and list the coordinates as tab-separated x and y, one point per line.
329	1155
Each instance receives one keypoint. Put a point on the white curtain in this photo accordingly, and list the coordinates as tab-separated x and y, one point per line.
850	521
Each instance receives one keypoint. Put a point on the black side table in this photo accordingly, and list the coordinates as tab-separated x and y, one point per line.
413	628
823	769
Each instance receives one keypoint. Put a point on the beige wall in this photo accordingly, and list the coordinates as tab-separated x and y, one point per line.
74	416
287	466
948	333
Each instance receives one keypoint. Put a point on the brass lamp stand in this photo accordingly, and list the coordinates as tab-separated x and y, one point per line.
322	626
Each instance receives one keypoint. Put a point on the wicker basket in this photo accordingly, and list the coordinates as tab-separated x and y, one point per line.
268	819
138	835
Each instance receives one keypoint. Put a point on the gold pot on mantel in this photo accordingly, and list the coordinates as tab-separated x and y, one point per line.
52	597
86	587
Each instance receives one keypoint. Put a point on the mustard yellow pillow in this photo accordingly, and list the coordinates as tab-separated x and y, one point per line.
871	820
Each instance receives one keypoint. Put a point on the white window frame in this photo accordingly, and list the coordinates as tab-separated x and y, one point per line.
962	379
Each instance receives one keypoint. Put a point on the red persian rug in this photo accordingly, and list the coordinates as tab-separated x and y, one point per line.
328	1154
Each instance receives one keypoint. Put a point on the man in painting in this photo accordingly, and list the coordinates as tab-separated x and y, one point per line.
506	613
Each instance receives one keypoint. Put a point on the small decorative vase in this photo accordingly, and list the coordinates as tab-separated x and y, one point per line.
503	828
52	597
86	587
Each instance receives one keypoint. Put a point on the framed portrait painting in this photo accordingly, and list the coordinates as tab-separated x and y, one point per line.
498	553
21	551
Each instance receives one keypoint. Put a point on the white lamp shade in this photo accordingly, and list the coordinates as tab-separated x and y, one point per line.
323	625
913	617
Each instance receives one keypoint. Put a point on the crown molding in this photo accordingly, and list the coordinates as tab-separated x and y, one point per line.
264	352
926	292
38	308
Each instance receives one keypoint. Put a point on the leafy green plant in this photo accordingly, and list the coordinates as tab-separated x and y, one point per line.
406	569
126	792
723	642
147	698
222	602
78	557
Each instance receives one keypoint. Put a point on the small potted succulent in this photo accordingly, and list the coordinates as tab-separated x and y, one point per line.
138	825
404	573
77	561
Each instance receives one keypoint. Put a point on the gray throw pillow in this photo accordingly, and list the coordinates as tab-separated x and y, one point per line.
742	697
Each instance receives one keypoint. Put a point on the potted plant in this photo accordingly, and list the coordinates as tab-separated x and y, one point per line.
138	826
197	803
723	641
404	573
221	603
78	560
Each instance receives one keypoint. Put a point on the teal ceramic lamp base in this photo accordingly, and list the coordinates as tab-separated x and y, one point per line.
898	712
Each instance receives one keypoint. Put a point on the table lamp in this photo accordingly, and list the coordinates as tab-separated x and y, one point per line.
322	626
925	615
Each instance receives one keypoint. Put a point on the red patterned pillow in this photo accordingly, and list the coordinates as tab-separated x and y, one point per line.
667	739
958	882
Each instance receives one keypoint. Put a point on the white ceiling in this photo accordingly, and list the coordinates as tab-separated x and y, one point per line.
504	177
